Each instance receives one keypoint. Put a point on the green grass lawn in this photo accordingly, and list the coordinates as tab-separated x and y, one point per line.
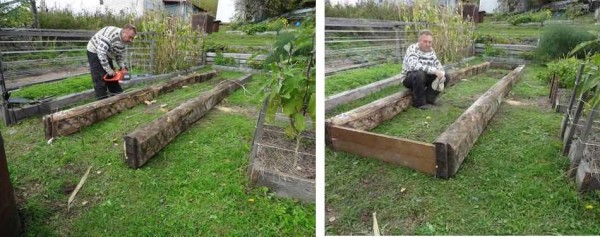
511	183
355	78
197	185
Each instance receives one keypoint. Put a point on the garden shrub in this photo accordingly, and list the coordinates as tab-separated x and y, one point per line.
565	69
558	40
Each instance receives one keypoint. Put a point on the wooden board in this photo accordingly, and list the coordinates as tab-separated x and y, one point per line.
463	133
73	120
284	185
143	143
417	155
586	179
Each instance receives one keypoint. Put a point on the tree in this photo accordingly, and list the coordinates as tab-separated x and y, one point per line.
258	10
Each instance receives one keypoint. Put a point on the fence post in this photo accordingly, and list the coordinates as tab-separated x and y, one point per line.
8	120
152	52
570	130
567	116
398	44
580	144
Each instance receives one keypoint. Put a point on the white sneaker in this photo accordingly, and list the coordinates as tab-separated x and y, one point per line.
438	84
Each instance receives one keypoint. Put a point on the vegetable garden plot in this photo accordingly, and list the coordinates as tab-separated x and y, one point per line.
442	158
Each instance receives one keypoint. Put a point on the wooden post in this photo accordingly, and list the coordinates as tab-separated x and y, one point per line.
8	118
576	154
567	116
258	131
572	124
10	222
143	143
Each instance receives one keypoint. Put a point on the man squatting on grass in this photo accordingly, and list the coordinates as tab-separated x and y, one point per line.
422	72
106	45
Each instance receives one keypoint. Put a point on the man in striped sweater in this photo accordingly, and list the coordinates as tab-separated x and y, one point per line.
107	45
422	72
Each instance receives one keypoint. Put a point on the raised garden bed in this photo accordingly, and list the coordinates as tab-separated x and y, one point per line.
349	131
283	164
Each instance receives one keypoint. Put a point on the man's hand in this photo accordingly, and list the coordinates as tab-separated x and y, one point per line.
111	73
124	69
439	74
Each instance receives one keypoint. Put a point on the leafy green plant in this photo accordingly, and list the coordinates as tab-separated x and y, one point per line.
67	19
574	10
368	9
526	17
15	14
292	83
492	51
593	67
558	40
222	60
565	69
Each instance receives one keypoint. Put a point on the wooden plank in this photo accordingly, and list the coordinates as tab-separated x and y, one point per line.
73	120
371	115
238	55
511	47
143	143
286	186
463	133
348	96
417	155
345	68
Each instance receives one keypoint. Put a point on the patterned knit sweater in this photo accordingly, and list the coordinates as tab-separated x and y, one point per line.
107	44
417	60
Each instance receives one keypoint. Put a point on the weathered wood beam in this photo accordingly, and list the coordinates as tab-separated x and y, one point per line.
414	154
371	115
351	95
73	120
460	137
586	178
47	106
143	143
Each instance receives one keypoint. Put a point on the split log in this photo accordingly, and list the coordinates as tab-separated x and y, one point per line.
73	120
371	115
143	143
414	154
460	137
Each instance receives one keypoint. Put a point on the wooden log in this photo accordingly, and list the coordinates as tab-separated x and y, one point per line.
398	151
371	115
9	214
73	120
357	93
143	143
463	133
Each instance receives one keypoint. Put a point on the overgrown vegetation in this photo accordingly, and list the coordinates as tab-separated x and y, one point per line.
176	45
564	69
453	36
369	9
257	11
16	15
527	17
292	86
272	25
67	19
558	40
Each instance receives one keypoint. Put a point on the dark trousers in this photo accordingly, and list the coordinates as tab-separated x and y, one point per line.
98	72
419	82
